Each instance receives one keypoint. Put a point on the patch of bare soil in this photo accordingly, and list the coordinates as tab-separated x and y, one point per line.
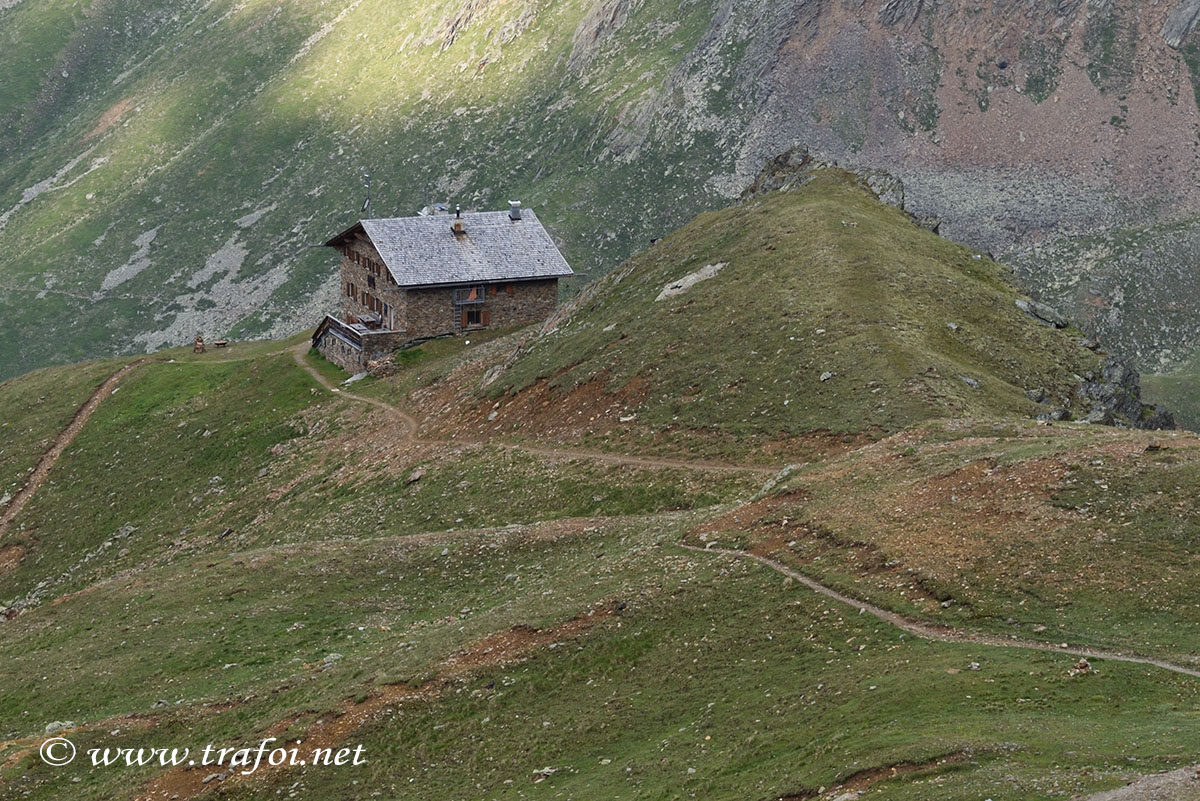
942	513
110	118
778	527
329	731
541	410
864	780
10	557
747	517
461	425
598	410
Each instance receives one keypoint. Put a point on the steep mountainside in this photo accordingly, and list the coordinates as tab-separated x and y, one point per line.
164	167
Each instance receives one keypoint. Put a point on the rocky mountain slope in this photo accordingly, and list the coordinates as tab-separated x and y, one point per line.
164	168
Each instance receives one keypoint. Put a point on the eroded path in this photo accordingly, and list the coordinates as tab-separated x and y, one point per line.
65	437
930	631
411	427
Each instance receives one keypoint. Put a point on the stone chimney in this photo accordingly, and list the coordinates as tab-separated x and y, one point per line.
458	226
514	210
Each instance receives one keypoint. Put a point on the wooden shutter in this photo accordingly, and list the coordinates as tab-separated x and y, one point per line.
485	317
508	289
464	320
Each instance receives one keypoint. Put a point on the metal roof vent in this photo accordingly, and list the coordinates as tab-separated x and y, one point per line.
458	226
514	210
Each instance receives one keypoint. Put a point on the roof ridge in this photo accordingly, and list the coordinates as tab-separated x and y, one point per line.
421	250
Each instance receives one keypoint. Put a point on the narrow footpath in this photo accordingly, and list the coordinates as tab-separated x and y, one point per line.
938	633
65	437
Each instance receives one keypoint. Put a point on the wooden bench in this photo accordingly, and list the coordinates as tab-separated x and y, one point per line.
220	343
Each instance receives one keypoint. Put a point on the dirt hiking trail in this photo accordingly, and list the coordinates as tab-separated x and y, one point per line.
61	442
930	631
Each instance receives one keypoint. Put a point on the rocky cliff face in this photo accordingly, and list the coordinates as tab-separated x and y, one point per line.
1061	137
1114	394
1181	23
186	154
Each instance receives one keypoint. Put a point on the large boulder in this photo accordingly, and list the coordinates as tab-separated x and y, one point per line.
1043	313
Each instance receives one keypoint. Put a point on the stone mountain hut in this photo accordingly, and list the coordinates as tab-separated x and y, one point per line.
410	278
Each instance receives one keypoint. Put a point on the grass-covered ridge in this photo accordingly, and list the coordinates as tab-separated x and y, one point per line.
832	312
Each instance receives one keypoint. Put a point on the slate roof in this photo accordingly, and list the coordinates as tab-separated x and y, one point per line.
422	251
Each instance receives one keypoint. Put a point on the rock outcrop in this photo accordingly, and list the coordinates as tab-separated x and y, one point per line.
1114	395
605	18
792	168
785	170
1181	23
1043	313
900	12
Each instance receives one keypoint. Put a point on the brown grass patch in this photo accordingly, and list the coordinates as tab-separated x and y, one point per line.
747	517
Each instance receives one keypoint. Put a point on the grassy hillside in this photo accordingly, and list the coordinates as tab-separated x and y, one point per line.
37	406
1064	533
235	546
229	552
830	313
202	444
